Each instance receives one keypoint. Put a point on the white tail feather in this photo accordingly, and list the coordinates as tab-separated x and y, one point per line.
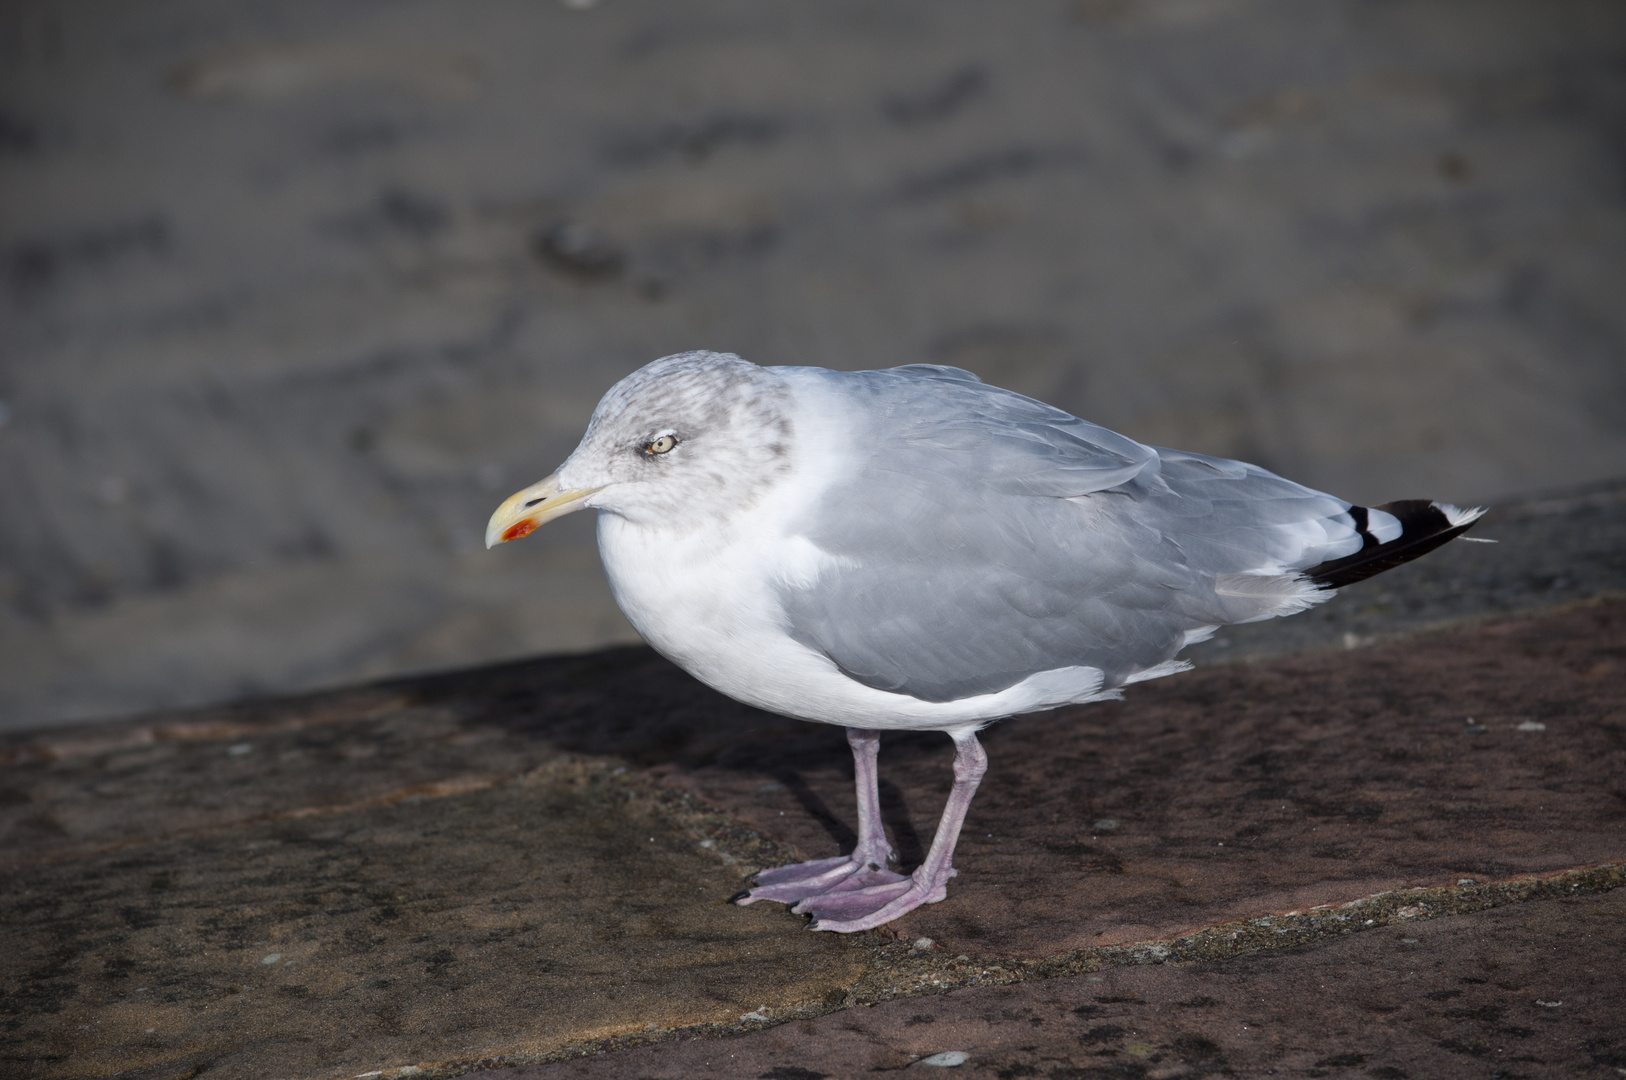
1458	516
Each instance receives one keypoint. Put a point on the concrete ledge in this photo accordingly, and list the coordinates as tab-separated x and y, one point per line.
433	875
1521	991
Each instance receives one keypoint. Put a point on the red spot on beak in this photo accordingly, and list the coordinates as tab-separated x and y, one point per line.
523	528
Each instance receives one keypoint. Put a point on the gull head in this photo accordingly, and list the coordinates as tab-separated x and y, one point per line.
678	443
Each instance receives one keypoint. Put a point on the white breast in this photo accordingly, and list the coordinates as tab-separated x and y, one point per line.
708	599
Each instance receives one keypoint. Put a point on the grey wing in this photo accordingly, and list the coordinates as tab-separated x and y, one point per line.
988	538
1228	517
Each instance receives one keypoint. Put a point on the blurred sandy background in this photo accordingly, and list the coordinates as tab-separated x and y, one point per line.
294	292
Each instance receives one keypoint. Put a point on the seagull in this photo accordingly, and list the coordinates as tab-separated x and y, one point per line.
911	549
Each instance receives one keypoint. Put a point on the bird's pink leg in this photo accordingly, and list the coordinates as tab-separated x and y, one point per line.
863	908
864	867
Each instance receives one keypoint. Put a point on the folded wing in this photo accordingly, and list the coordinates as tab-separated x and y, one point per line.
985	537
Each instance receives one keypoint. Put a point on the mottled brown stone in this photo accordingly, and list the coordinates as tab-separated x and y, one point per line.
1526	991
455	870
74	792
510	920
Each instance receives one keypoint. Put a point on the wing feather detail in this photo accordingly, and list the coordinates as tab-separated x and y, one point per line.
984	538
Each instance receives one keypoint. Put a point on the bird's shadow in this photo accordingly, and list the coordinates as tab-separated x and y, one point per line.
895	816
895	812
636	705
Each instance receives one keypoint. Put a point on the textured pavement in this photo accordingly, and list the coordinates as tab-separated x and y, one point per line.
1529	991
439	927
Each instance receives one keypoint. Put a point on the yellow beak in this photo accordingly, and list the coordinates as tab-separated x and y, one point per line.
524	511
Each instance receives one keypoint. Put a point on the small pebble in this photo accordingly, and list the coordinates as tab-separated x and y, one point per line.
1106	825
923	944
1466	881
240	749
1531	725
273	958
1548	1004
948	1059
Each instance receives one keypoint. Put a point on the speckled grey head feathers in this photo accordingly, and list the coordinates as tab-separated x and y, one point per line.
732	432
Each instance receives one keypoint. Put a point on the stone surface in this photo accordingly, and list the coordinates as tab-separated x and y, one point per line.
512	920
295	292
455	870
1532	991
91	789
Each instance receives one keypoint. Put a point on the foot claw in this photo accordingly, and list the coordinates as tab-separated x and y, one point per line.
801	883
856	911
861	898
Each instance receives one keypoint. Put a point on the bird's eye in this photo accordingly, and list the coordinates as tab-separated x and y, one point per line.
662	445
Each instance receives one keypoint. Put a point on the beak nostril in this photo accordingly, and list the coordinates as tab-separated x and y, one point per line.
532	503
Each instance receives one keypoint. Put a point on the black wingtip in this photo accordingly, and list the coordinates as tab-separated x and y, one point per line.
741	895
1424	526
